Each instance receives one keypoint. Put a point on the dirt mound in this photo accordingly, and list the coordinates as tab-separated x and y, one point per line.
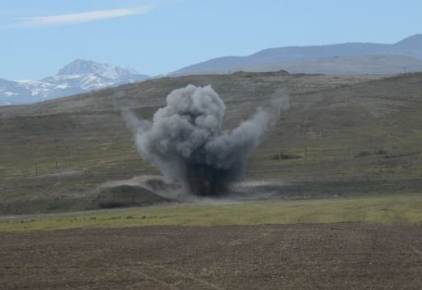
158	185
126	196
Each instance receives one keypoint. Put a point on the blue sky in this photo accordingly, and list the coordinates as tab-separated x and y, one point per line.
38	37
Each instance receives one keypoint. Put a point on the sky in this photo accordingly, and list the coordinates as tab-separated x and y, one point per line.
38	37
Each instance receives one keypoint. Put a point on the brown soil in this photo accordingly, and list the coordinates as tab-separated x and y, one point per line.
341	256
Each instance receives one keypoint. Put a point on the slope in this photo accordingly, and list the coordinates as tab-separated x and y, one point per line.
345	134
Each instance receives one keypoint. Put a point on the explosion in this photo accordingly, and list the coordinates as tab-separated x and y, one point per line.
185	139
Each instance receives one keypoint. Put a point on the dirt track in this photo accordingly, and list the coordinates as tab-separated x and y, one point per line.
346	256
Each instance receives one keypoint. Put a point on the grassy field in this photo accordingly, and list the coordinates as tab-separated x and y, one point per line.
389	210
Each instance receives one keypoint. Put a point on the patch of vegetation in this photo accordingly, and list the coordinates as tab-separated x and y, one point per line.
381	152
285	156
363	154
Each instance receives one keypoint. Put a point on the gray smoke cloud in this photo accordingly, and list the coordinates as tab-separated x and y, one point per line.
185	139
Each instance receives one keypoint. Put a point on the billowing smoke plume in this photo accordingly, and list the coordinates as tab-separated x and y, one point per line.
186	143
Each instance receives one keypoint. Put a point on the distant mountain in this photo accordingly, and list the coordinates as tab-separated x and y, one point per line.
77	77
366	64
410	47
85	67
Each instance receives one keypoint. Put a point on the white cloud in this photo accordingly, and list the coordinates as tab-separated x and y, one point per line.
79	17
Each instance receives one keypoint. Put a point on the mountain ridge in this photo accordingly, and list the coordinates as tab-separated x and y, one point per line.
410	47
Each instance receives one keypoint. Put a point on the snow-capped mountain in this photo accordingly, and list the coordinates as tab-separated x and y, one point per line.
84	67
77	77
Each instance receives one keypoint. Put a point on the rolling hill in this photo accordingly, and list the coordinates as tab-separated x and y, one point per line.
342	135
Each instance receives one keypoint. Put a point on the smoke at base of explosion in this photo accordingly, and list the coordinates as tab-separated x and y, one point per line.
204	180
185	142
